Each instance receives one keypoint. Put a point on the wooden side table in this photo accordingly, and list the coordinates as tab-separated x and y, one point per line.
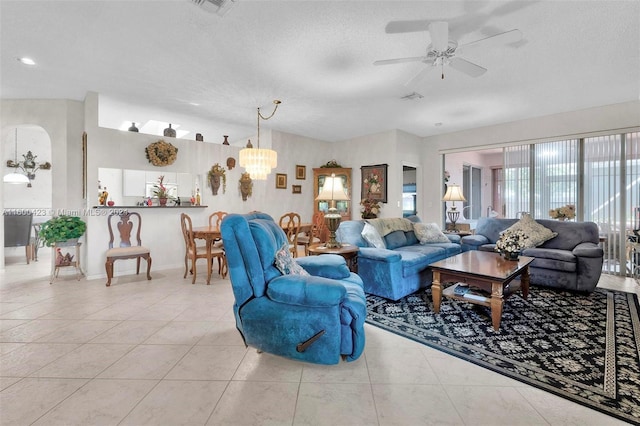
56	264
348	251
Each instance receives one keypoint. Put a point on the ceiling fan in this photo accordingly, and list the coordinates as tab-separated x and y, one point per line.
443	51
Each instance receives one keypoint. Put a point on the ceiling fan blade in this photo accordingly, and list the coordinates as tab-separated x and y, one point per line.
439	31
419	76
400	60
467	67
395	27
495	40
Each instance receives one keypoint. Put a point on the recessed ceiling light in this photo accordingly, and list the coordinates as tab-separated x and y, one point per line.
26	61
194	103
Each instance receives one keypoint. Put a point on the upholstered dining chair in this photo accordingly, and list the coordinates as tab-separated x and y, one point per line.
17	232
194	252
317	235
290	224
124	249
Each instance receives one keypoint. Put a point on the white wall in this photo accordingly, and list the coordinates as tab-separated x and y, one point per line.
62	121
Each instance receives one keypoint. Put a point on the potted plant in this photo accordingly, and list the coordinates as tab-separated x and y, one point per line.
62	228
160	191
370	208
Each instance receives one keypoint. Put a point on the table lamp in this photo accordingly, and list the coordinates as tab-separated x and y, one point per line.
332	191
453	194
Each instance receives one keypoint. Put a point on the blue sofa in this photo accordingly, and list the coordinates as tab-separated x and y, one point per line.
316	318
572	260
400	269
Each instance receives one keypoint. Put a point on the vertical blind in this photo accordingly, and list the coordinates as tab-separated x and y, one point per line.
599	175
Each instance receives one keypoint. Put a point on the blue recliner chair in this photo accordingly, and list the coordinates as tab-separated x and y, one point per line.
316	318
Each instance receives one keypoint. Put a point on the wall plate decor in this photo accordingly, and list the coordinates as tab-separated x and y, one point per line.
296	189
374	182
281	181
301	172
161	153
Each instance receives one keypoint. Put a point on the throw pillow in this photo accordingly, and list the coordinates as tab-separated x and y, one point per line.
536	232
429	233
286	264
372	237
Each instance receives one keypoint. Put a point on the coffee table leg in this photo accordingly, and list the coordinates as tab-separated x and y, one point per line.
436	291
496	304
524	282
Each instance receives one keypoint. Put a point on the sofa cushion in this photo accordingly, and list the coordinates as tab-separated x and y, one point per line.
372	237
417	258
536	232
286	264
395	239
429	233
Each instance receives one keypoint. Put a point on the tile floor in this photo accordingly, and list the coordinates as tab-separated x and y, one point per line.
166	352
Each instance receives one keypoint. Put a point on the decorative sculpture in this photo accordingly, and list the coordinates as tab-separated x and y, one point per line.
246	186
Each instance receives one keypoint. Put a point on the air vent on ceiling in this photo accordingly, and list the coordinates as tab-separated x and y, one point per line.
219	7
412	96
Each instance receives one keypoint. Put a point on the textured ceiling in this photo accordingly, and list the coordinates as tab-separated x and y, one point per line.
155	59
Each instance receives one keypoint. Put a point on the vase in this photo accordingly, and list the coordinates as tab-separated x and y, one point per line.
369	215
163	201
511	255
169	132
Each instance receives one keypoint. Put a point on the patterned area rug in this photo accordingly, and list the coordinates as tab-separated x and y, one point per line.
585	348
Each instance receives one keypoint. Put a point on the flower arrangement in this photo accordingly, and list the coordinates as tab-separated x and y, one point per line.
369	208
511	241
373	182
333	164
563	213
159	190
217	170
161	153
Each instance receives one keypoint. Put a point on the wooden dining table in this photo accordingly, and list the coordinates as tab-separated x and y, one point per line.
210	234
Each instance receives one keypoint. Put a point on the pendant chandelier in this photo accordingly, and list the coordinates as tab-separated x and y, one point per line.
258	161
15	177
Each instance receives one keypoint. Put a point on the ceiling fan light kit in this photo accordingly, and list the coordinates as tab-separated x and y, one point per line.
443	51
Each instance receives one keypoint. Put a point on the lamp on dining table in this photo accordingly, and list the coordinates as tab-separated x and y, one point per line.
453	194
332	191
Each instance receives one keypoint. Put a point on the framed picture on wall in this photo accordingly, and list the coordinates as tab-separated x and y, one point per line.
281	181
296	189
301	172
374	182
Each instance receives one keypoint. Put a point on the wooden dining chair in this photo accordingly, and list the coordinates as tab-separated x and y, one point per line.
194	252
290	224
317	235
125	249
215	219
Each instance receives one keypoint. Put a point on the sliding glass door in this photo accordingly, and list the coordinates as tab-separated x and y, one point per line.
600	176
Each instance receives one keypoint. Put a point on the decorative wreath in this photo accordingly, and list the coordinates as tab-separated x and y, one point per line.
217	169
161	153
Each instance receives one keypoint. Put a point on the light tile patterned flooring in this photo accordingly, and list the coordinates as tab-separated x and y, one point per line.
166	352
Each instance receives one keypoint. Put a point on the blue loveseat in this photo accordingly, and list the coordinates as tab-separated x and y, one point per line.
572	260
402	267
315	318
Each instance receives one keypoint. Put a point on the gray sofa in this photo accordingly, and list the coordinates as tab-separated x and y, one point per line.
572	260
400	269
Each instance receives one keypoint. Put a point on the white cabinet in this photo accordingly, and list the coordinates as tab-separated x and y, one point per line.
133	183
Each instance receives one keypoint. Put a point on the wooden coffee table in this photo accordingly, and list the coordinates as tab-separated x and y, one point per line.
485	270
348	251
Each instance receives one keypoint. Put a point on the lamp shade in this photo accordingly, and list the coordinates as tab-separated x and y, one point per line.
332	189
453	193
15	178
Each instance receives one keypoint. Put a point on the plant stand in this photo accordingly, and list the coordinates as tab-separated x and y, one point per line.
56	264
